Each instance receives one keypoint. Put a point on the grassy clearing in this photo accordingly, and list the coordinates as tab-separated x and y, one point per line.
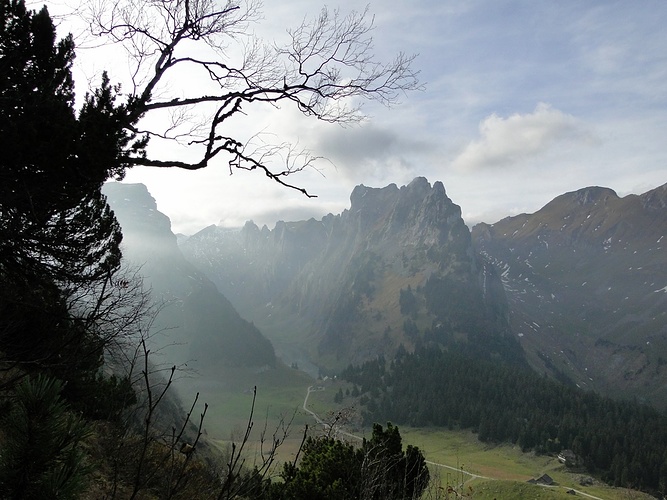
512	490
229	395
506	466
280	395
461	449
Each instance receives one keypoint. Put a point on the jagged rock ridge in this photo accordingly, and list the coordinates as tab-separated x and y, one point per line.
397	267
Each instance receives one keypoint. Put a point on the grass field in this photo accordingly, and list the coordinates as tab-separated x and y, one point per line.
229	395
505	470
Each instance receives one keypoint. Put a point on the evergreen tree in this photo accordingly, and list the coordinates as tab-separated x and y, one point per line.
389	471
331	470
39	455
59	240
54	221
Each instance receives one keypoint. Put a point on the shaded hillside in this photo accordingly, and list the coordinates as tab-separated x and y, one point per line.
621	442
396	268
200	323
586	277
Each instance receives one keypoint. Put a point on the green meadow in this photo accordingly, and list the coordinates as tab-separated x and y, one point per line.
455	457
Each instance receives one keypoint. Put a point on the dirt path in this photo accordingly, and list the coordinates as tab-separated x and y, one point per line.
434	464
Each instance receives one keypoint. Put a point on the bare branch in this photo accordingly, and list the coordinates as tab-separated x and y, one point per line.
327	70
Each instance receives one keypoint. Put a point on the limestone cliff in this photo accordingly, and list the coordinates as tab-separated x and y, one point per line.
395	268
196	324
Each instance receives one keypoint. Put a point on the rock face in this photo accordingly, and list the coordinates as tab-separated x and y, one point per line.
197	320
396	268
580	285
586	278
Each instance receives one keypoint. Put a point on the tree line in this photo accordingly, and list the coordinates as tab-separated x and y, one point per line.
622	442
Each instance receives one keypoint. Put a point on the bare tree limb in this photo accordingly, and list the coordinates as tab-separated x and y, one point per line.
327	70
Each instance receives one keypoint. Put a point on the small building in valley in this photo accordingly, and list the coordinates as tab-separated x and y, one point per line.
544	479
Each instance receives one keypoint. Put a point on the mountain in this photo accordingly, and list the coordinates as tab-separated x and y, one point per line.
396	268
579	288
586	280
198	324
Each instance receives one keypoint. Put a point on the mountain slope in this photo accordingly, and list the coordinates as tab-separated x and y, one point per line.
586	277
199	323
396	268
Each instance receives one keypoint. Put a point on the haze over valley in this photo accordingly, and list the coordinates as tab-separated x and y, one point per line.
576	289
576	293
458	229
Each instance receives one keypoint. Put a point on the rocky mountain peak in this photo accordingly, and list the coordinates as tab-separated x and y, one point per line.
591	195
339	282
585	277
585	197
371	202
655	199
136	210
364	198
136	194
415	215
418	186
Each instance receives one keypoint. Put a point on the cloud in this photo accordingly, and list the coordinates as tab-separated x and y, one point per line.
371	153
507	141
357	144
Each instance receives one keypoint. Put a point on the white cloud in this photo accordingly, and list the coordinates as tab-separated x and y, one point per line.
600	64
507	141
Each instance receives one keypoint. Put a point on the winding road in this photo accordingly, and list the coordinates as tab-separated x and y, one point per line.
326	426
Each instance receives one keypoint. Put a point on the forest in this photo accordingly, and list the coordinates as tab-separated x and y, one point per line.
622	442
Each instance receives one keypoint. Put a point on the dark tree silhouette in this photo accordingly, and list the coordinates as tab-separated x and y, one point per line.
331	469
59	240
53	219
326	70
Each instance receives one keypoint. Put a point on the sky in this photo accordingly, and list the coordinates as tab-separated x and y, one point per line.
521	101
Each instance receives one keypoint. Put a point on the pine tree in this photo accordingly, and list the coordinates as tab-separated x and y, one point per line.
39	455
59	239
54	221
331	470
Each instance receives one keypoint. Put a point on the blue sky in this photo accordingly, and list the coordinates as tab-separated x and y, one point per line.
522	101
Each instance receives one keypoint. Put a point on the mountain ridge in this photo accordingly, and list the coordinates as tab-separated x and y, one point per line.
342	283
197	324
583	276
578	287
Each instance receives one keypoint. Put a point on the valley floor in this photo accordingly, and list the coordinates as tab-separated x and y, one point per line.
289	399
459	459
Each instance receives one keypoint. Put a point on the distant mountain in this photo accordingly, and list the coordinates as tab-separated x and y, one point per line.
397	268
197	319
586	278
